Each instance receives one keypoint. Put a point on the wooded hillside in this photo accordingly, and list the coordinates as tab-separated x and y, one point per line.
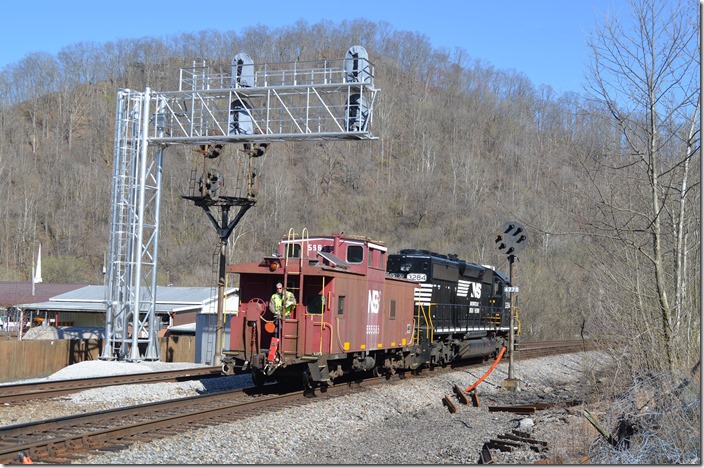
462	148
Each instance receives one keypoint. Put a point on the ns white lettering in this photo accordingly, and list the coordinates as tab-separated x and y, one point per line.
476	289
374	300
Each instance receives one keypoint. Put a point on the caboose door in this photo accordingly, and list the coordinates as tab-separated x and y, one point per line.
317	333
317	330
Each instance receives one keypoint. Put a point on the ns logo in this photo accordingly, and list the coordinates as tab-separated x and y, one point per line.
475	290
374	301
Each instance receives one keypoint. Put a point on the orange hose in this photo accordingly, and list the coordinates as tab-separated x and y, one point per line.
493	366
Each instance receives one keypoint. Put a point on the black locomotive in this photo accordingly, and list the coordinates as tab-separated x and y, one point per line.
461	308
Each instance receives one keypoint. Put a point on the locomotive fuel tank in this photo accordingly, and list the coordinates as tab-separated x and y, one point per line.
468	349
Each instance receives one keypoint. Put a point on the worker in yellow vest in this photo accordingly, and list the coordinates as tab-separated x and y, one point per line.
282	302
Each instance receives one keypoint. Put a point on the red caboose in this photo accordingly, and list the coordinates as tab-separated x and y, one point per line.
349	316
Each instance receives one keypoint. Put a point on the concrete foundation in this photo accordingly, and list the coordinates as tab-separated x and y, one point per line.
512	385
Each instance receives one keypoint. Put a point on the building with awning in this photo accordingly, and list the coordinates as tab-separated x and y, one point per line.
20	292
85	306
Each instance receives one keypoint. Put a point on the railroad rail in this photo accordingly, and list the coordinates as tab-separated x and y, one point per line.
62	440
537	349
14	393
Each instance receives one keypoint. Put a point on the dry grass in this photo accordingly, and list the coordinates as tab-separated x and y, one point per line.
655	420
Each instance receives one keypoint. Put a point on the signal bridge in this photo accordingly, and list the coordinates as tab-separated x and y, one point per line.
317	100
245	102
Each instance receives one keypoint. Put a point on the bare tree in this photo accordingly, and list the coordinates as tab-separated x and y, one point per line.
644	82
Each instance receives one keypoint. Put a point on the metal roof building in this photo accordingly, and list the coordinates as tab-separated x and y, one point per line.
18	292
86	306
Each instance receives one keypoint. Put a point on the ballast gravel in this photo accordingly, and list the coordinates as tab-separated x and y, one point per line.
401	422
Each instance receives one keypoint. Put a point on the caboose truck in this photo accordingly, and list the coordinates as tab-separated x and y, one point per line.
351	316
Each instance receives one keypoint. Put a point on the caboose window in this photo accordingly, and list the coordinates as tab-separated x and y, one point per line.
392	309
340	305
355	254
293	250
315	304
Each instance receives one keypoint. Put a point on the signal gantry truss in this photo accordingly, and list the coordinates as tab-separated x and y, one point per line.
243	102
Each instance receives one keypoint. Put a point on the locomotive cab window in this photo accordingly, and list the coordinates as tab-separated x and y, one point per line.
498	288
355	254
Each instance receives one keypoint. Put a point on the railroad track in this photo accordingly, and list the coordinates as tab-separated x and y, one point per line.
537	349
62	440
15	393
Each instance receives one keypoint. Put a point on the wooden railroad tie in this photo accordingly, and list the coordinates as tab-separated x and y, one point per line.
475	398
447	401
507	442
464	399
533	444
486	457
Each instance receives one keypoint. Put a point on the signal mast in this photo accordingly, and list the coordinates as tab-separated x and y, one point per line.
249	104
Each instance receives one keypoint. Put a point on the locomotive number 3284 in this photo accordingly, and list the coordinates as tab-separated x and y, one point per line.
417	276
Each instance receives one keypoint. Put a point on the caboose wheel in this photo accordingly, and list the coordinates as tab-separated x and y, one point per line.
308	389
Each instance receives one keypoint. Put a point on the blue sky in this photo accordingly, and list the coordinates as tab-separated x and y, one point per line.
544	39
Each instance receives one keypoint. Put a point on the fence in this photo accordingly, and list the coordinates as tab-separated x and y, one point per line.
28	359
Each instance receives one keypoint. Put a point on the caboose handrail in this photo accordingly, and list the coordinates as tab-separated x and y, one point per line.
340	344
304	245
322	316
323	324
289	245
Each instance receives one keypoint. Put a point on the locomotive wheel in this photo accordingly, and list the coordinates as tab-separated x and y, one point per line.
258	378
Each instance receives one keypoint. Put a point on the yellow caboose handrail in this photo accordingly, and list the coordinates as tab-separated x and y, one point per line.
322	316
